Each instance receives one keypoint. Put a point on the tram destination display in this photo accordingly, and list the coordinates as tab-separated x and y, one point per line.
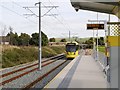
95	26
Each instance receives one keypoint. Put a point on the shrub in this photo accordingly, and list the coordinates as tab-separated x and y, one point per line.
15	56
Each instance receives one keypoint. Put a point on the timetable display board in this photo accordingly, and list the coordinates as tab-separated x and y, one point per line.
95	26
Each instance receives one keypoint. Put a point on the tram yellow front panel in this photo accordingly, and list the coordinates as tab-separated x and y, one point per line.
71	54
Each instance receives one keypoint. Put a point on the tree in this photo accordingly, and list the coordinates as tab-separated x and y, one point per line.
91	39
3	30
35	39
63	40
44	39
24	39
13	37
101	41
89	43
52	40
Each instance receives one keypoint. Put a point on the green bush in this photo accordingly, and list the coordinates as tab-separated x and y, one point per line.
48	52
16	56
101	49
59	50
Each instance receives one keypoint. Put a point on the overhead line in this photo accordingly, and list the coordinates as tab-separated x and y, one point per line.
17	14
55	17
31	12
46	12
16	3
10	10
25	8
60	14
34	13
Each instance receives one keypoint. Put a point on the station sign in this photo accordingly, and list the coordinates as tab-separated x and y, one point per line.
95	26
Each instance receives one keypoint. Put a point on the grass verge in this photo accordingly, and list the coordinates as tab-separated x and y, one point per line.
101	49
12	56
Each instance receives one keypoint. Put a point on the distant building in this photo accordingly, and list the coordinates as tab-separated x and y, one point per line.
56	43
4	40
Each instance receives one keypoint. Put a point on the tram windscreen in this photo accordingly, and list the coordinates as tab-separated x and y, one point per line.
71	48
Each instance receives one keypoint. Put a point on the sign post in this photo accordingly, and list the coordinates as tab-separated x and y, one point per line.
97	27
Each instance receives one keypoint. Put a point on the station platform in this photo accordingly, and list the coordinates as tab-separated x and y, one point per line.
81	72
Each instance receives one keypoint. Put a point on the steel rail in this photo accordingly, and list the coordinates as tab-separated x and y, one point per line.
18	76
41	77
21	69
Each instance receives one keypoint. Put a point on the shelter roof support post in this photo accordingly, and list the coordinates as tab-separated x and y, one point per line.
113	41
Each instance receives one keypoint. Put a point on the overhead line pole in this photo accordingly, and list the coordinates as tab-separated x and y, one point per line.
94	43
40	39
69	35
97	40
40	54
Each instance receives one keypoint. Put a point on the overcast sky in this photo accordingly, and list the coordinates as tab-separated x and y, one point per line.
58	26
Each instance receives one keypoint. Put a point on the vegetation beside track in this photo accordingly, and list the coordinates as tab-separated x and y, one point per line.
13	55
101	49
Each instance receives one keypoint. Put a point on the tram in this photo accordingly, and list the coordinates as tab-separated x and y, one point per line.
71	50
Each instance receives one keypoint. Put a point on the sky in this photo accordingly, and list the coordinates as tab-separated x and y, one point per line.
56	23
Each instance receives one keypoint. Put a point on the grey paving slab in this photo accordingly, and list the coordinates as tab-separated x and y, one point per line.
87	74
55	83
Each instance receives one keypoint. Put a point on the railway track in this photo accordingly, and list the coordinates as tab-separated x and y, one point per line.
21	72
30	85
29	66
